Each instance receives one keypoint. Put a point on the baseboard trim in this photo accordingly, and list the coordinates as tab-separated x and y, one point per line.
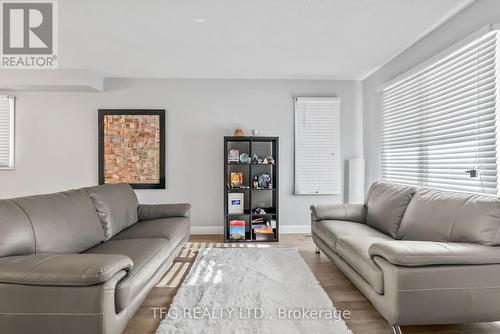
285	229
295	229
207	229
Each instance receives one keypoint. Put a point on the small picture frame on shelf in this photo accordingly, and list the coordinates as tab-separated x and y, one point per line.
233	156
235	203
236	179
237	230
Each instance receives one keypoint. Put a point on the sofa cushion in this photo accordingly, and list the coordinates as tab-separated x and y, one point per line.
116	205
16	233
426	253
354	250
146	254
64	222
386	204
330	230
435	215
174	229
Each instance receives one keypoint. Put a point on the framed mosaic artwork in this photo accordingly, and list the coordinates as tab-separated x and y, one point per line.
132	147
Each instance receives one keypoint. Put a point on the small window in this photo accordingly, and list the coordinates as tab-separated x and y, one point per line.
6	132
317	146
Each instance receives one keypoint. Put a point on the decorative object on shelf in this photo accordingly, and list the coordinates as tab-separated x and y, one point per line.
256	182
259	211
256	159
239	133
254	132
236	179
262	209
258	220
235	203
244	158
264	220
233	156
264	180
269	159
237	230
132	147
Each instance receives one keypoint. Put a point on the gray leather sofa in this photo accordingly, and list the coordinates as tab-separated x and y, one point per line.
420	256
83	261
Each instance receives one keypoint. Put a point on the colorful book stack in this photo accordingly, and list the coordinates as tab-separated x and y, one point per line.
263	232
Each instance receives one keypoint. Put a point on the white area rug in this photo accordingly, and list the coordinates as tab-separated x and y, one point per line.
251	290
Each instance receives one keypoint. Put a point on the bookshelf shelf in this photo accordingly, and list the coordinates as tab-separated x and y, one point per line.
274	189
245	200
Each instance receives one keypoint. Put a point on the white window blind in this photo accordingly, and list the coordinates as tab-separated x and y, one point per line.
317	146
6	132
440	124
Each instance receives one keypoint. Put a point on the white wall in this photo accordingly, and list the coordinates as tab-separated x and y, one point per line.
57	137
480	14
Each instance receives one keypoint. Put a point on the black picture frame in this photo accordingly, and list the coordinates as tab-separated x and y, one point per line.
136	112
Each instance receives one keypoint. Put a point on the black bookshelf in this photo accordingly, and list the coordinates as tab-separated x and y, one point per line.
267	199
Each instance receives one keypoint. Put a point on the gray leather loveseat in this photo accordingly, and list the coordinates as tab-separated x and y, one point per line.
420	256
83	261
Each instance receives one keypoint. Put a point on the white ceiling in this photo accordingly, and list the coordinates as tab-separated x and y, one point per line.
303	39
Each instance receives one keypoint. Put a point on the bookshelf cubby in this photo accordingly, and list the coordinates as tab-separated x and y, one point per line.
264	198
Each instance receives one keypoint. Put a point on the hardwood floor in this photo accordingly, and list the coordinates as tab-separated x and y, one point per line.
364	318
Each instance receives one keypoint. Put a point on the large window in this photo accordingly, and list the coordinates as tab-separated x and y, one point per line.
6	132
440	123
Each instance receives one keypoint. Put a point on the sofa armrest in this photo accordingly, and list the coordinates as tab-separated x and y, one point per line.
156	211
348	212
426	253
62	269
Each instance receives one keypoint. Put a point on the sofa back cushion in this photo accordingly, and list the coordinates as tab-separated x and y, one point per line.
386	203
64	222
436	215
16	233
116	205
